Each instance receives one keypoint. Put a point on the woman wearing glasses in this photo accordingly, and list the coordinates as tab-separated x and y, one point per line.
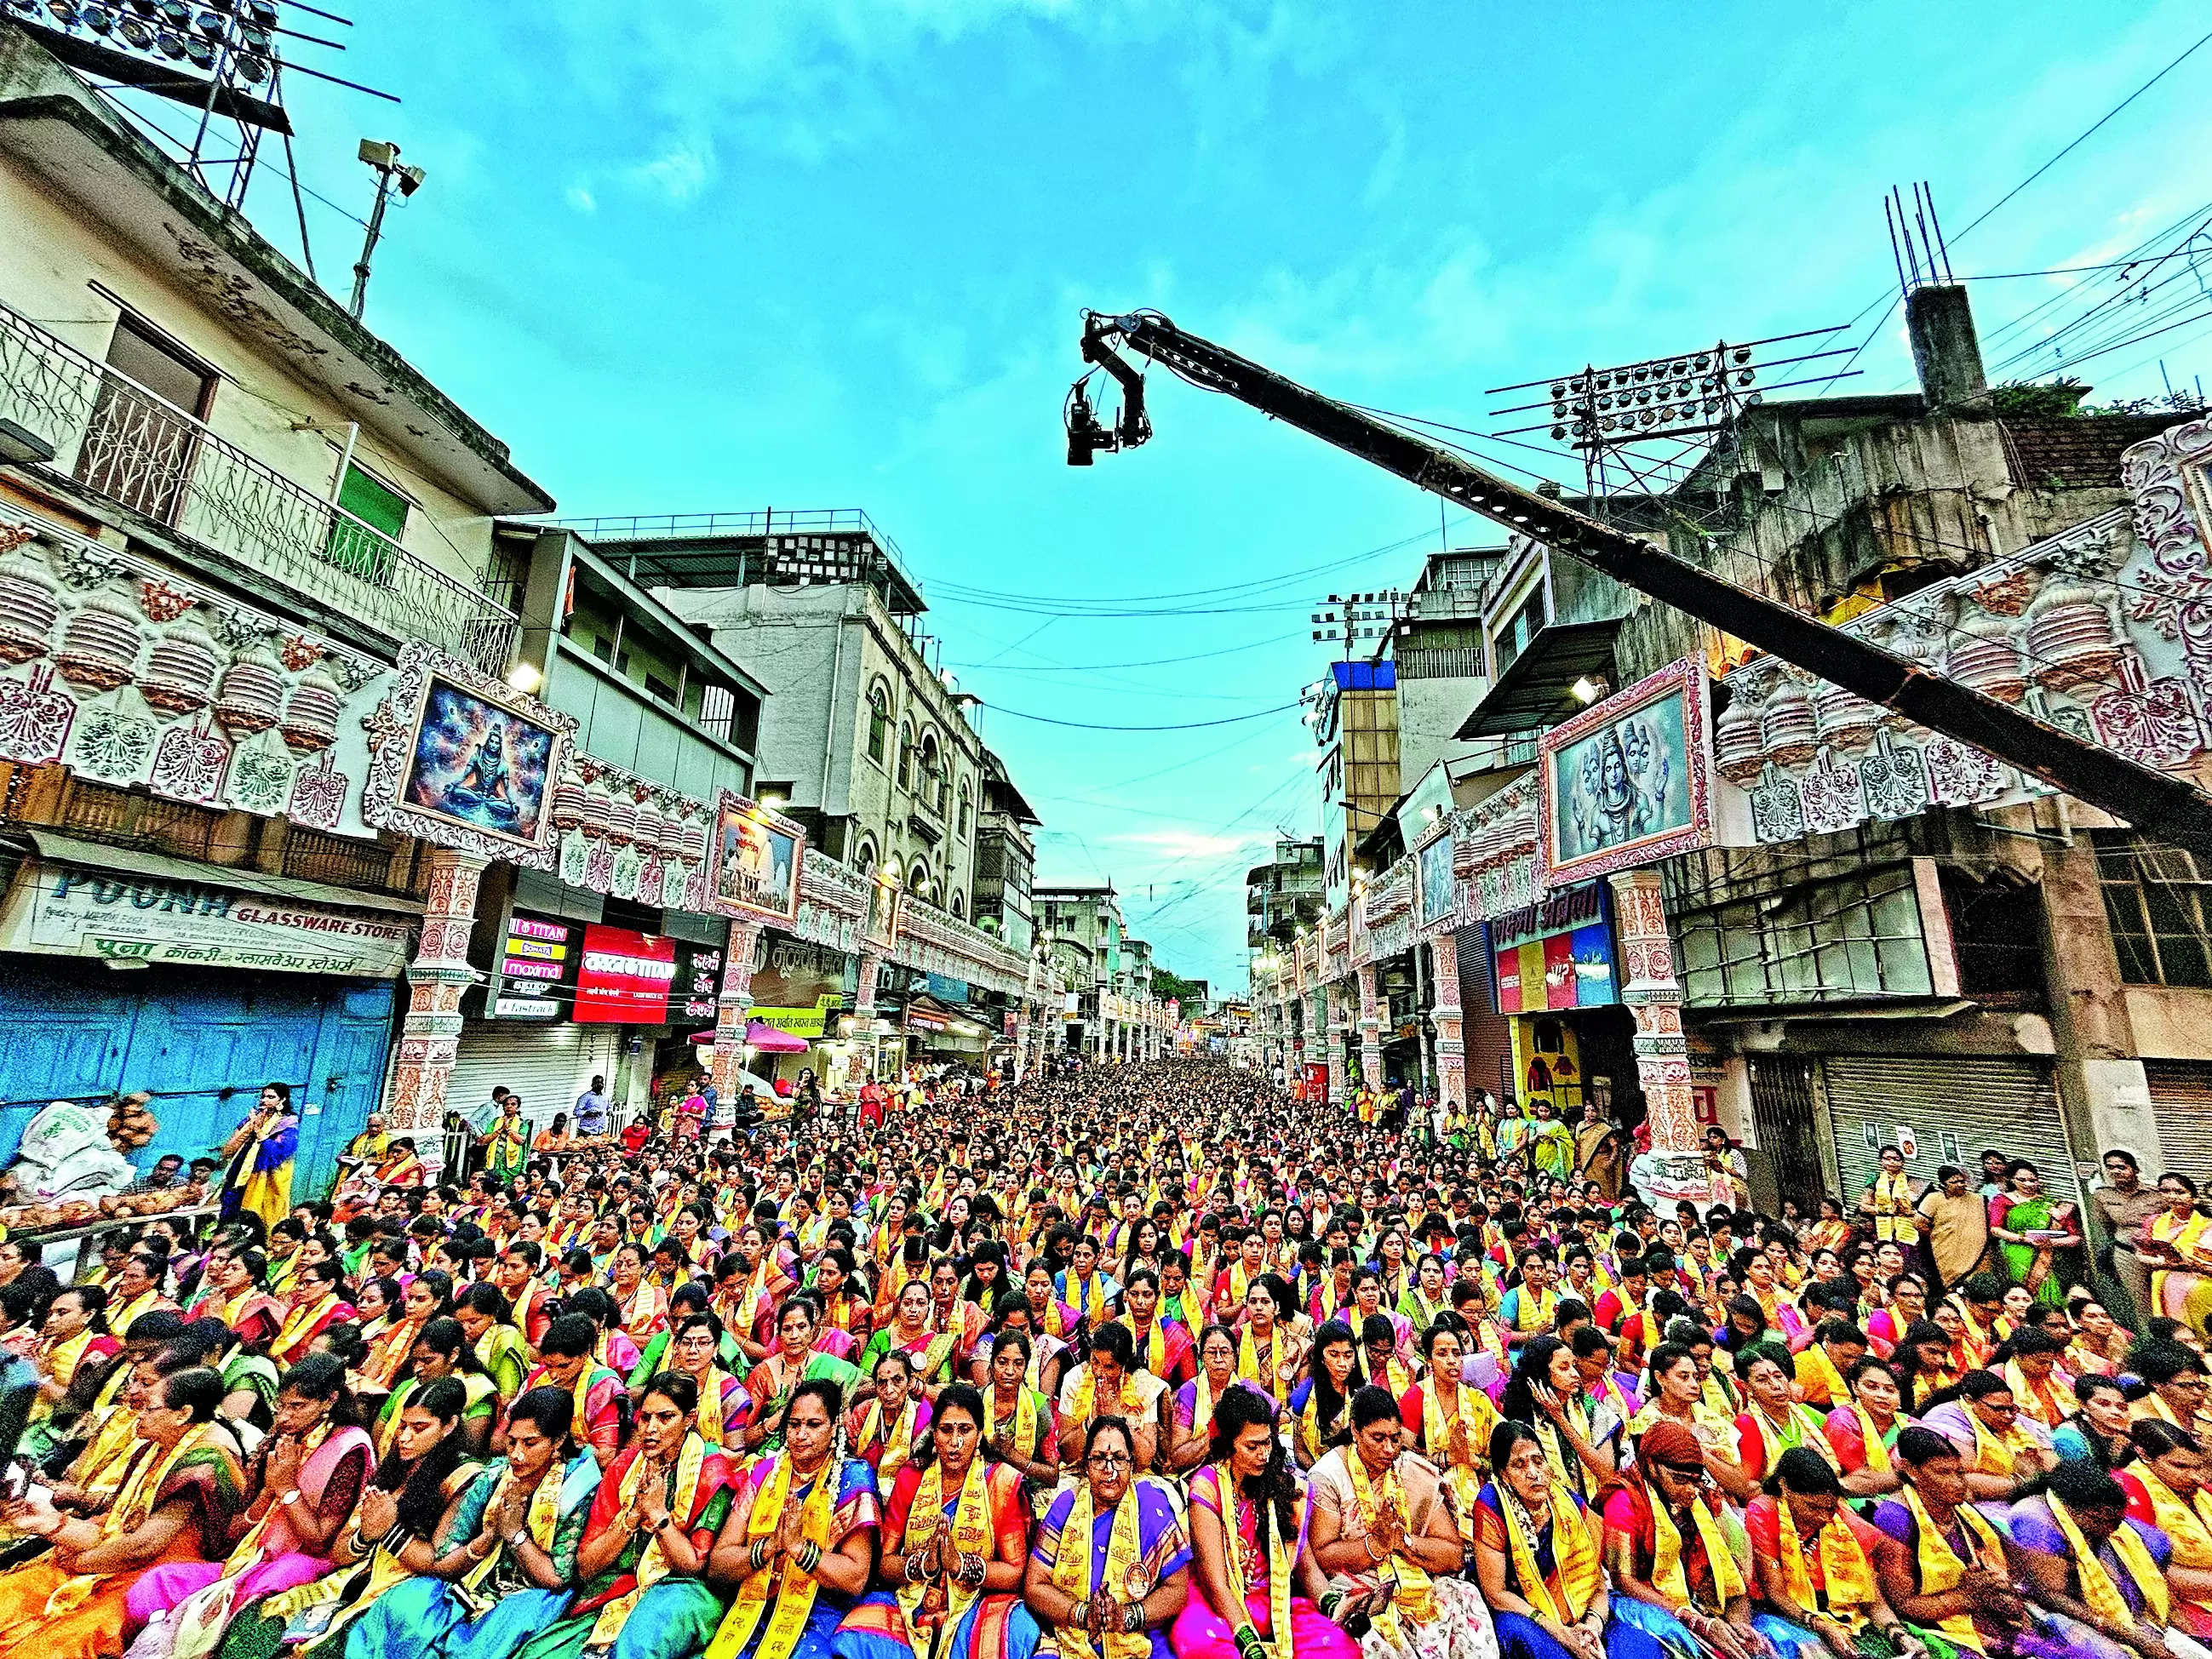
1109	1570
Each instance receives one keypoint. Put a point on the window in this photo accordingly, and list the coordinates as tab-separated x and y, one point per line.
864	860
917	881
957	909
2154	901
1858	937
879	721
906	756
965	802
930	786
140	448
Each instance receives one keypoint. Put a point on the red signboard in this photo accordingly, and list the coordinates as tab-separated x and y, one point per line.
625	977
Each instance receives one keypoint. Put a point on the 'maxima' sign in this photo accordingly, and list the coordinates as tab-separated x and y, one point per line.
1556	952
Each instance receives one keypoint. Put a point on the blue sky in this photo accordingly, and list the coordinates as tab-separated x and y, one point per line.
694	255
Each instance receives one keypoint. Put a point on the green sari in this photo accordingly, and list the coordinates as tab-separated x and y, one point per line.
2034	1266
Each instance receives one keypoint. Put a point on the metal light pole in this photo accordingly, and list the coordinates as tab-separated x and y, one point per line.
384	158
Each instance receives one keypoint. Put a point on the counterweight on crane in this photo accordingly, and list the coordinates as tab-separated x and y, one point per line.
2159	803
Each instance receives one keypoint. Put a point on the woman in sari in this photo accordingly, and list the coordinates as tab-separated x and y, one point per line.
795	1360
1381	1528
2097	1431
417	1485
1677	1394
884	1431
232	1293
747	1307
641	1561
175	1502
956	1534
300	1487
1018	1422
504	1562
2178	1386
1817	1594
1581	1435
1321	1406
1425	1300
2031	1229
640	1304
725	1405
1268	1353
1677	1573
1110	1568
2097	1578
1773	1420
488	1319
800	1539
912	1332
1537	1559
259	1177
1196	1399
1862	1430
391	1350
2172	1245
1255	1575
442	1351
316	1303
2167	1489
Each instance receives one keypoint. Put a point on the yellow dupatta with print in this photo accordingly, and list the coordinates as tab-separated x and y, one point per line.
793	1591
1471	1410
1125	1578
1277	1639
1804	1429
1248	1368
1813	1365
1574	1554
1202	1403
745	1312
896	1439
1152	1346
1994	1453
60	1360
1893	1209
1527	1318
1414	1597
1938	1566
713	1418
971	1535
2098	1589
1877	1450
134	1505
653	1563
1669	1576
1088	1297
1848	1593
2185	1236
1026	1408
2188	1525
2049	1405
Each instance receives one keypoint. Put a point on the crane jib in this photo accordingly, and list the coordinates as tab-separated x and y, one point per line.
2167	805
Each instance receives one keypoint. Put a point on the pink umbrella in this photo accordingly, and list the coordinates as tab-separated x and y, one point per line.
770	1040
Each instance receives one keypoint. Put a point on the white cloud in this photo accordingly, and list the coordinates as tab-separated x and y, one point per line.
582	199
681	173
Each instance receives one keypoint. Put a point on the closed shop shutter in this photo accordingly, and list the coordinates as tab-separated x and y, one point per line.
2181	1098
549	1066
2005	1104
1488	1035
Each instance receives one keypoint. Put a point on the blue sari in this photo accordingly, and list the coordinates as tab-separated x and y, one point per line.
423	1615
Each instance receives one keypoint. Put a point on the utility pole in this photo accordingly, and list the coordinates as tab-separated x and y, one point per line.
384	158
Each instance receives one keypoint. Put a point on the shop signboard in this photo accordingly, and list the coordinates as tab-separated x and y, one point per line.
131	920
538	961
698	979
625	977
1435	884
812	1023
1556	952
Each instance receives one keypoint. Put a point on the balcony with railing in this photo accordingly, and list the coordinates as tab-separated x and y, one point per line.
114	438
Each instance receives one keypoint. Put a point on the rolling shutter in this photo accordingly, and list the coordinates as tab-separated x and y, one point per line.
549	1066
2181	1099
2006	1103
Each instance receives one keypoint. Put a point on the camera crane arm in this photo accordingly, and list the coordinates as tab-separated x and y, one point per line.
2166	804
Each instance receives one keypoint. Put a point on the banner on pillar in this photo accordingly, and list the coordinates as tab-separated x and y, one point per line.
753	863
1628	780
465	761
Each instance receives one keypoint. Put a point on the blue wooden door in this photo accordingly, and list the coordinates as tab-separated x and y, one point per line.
201	1043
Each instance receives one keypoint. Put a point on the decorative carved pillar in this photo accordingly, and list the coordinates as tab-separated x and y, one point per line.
1675	1168
423	1061
1332	995
864	1018
731	1007
1371	1031
1022	1043
1445	1011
